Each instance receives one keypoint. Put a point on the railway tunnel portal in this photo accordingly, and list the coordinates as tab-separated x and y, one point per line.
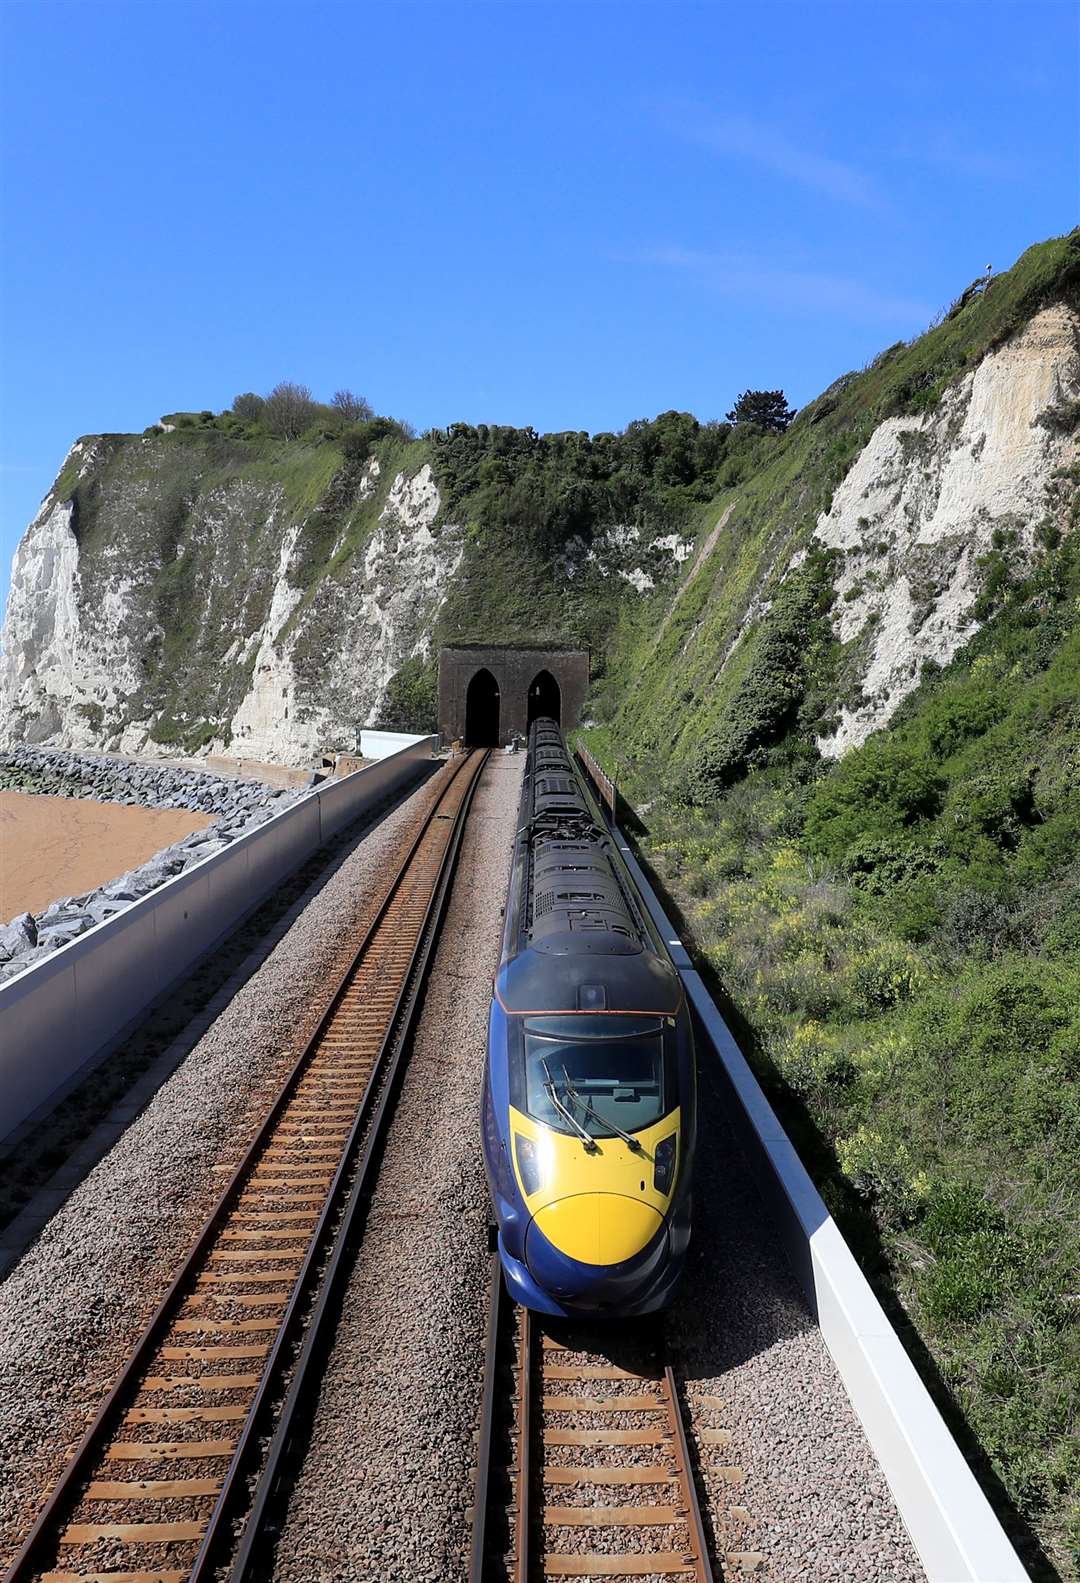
491	693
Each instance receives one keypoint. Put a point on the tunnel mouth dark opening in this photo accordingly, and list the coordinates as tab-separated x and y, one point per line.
482	711
545	699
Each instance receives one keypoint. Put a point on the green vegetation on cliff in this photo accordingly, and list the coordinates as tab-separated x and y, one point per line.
531	500
682	689
896	935
898	938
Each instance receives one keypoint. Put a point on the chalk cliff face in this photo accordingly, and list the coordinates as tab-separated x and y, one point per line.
930	497
57	671
204	586
176	594
112	642
305	690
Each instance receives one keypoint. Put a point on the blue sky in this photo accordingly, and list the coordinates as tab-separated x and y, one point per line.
563	215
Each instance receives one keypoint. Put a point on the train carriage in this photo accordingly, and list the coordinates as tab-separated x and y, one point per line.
589	1095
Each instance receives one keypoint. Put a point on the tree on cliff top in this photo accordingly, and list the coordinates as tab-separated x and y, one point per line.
288	410
768	409
352	408
248	407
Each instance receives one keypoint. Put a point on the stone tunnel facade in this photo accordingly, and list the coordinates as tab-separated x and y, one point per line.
491	693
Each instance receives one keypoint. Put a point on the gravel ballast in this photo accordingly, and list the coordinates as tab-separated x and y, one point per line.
81	1294
797	1482
386	1486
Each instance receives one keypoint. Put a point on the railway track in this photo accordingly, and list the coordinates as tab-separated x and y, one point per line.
583	1468
162	1481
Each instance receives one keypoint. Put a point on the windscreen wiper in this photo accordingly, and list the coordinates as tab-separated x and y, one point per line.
591	1146
627	1137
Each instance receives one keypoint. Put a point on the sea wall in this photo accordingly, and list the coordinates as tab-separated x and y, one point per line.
66	1012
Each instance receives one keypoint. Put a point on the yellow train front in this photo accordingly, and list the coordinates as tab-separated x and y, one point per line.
589	1096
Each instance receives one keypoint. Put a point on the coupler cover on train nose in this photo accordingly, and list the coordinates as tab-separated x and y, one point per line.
580	1281
598	1228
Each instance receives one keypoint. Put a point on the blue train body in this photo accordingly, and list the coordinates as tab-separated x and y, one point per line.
589	1108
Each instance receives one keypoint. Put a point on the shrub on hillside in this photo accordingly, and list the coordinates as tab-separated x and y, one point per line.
880	865
805	987
877	791
883	977
960	715
248	407
954	1213
996	800
1062	938
973	923
815	1061
288	410
767	699
358	443
994	1055
964	1284
411	701
881	1169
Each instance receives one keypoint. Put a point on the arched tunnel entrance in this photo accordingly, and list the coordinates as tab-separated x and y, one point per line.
482	711
544	698
492	692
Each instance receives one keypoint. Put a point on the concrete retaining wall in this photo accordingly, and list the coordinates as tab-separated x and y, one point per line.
380	744
66	1010
950	1521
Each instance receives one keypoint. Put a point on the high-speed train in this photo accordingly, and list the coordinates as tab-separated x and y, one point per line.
589	1111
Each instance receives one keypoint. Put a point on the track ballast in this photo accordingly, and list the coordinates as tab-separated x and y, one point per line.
583	1467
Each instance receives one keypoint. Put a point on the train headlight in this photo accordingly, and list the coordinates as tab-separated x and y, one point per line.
664	1164
530	1164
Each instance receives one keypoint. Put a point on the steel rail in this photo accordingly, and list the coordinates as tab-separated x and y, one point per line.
43	1534
523	1514
496	1303
686	1478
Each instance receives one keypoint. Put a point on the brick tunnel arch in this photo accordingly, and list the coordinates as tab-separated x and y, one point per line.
556	677
545	698
482	710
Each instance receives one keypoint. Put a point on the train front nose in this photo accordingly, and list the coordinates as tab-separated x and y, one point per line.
595	1250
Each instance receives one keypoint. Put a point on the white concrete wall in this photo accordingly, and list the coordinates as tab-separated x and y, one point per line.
378	744
64	1010
950	1521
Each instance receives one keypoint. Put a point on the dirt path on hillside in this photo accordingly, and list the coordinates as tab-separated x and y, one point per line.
62	846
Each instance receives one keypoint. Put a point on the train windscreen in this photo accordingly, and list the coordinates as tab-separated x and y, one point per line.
605	1072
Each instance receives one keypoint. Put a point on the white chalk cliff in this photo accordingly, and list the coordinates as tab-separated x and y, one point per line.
308	665
929	496
378	614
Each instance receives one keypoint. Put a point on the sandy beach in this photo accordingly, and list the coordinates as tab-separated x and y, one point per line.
60	846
